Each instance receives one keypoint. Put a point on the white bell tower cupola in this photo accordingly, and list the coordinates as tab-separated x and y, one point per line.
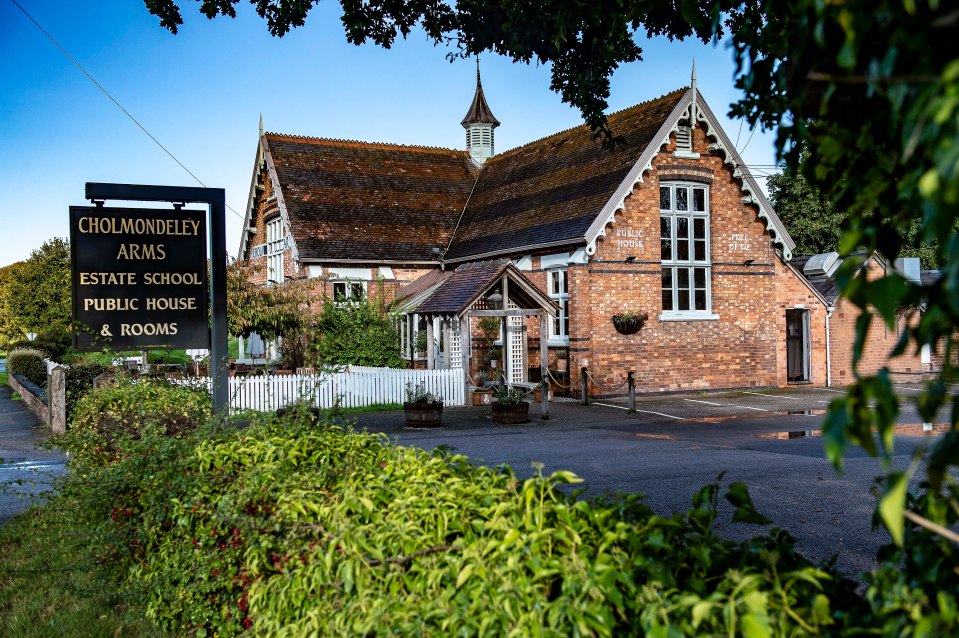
479	124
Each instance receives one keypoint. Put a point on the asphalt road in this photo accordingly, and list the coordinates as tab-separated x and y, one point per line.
26	470
767	439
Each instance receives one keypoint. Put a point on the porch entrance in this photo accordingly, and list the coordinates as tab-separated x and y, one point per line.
797	346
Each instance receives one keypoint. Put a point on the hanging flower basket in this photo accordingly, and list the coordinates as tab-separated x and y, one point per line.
629	322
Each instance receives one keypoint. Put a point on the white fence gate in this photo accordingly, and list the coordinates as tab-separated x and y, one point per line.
356	386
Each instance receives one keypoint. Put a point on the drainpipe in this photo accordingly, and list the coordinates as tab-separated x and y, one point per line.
828	353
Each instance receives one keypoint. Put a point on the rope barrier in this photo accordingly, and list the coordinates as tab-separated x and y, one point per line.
599	385
555	380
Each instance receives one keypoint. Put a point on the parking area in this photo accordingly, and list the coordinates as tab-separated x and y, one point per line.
792	400
675	444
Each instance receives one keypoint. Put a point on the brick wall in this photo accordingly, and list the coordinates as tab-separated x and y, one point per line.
737	349
792	293
879	344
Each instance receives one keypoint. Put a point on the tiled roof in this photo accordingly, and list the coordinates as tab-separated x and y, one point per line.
553	189
358	200
461	287
929	277
824	285
416	288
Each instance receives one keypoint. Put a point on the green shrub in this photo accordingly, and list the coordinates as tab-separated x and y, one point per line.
30	363
79	380
129	408
358	332
283	529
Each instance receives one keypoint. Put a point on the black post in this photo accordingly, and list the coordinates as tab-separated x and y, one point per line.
219	346
584	385
216	199
544	399
631	382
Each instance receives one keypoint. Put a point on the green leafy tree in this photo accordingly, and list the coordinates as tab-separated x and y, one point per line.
358	332
37	296
810	218
270	311
816	226
9	330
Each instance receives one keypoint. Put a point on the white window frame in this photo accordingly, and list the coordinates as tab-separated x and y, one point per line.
275	246
349	290
557	287
674	265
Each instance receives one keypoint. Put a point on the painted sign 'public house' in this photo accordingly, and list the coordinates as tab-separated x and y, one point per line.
139	278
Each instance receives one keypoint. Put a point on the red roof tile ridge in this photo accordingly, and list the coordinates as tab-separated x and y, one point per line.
329	141
580	126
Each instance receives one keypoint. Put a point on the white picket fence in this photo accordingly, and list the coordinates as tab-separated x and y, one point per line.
356	386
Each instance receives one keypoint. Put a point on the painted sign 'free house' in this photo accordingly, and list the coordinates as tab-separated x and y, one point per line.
139	278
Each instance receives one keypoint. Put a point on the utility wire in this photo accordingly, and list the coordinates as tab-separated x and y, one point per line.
114	100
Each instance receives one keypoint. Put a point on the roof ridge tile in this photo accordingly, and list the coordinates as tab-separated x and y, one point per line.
309	139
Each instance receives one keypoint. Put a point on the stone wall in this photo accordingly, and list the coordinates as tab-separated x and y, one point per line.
33	396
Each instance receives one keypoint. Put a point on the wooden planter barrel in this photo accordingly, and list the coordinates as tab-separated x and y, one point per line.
482	397
511	413
423	415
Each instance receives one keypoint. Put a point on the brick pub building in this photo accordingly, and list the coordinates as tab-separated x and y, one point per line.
669	224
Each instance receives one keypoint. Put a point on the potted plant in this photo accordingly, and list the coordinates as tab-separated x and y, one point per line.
510	406
483	392
561	359
493	356
419	343
422	408
628	323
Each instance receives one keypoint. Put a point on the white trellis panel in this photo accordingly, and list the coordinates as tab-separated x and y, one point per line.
517	346
455	345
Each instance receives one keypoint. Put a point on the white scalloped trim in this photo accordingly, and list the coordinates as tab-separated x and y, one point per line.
749	197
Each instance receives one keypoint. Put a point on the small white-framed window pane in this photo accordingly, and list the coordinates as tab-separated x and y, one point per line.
562	283
666	238
357	291
699	250
682	288
699	200
667	288
339	291
699	228
682	198
664	197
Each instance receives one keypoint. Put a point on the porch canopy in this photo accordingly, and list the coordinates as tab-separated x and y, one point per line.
449	300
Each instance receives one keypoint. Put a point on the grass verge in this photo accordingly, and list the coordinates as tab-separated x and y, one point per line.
3	378
50	584
378	407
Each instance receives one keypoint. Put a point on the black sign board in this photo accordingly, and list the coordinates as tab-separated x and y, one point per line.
139	278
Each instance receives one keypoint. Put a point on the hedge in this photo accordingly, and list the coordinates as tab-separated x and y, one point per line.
30	363
288	528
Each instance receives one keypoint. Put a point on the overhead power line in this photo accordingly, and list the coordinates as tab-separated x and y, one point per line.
114	100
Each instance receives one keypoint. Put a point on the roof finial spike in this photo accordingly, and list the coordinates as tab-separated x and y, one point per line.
261	124
692	85
478	83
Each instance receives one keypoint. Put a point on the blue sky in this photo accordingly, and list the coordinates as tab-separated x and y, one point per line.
201	92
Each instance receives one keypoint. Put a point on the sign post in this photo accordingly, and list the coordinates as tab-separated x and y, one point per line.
138	274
